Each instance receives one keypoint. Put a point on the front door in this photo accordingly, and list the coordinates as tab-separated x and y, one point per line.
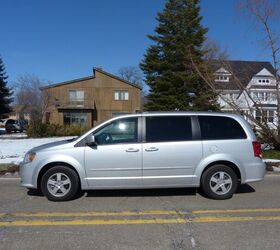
170	154
116	159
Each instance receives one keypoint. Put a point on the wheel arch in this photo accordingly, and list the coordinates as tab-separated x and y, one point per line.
230	164
50	165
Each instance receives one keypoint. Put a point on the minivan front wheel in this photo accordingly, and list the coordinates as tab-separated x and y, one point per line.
60	183
219	182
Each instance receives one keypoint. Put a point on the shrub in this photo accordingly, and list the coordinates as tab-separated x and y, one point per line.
48	130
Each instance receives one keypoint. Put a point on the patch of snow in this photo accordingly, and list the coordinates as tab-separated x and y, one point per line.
276	169
271	160
12	135
13	150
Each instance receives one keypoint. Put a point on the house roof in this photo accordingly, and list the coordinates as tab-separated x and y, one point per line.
241	72
90	77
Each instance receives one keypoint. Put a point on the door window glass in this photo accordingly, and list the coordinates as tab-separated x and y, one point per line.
168	128
120	131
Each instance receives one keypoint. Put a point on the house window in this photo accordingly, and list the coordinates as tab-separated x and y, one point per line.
231	96
76	97
263	81
262	96
265	116
48	116
222	78
269	116
121	95
273	96
258	116
74	118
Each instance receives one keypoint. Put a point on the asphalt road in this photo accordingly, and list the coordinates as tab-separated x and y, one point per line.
141	219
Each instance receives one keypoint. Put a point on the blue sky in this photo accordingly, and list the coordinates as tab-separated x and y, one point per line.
59	40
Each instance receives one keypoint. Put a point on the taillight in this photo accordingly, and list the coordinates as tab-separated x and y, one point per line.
257	149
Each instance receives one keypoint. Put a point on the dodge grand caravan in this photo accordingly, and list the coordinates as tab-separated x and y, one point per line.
151	150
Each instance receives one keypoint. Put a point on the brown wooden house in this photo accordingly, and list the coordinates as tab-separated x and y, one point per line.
90	100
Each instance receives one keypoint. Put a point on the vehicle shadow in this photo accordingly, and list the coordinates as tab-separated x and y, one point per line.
242	189
245	188
142	192
34	192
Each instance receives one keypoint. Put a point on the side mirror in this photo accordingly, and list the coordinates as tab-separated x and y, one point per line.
91	140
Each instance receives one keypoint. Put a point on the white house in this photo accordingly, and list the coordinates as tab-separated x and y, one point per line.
236	80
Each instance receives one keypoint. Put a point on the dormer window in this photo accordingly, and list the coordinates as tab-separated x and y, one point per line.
222	78
222	75
263	81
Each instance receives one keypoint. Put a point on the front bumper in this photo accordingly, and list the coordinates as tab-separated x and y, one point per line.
26	174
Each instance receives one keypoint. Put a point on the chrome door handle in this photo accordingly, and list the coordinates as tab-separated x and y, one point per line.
129	150
151	149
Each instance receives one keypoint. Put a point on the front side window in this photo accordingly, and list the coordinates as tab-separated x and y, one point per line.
121	95
168	128
220	128
76	97
117	132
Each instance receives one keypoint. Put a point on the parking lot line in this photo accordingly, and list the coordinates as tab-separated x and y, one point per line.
208	219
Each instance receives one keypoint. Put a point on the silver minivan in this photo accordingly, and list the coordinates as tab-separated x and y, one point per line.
216	151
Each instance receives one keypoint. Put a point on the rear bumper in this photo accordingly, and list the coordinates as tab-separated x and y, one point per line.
254	172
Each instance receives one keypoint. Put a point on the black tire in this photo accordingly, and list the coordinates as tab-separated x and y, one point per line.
222	178
53	188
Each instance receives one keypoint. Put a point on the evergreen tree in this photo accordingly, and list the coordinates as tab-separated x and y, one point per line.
168	68
5	92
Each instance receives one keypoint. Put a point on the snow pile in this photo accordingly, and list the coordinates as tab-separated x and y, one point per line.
13	150
272	164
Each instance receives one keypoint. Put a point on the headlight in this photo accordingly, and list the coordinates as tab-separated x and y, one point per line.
29	157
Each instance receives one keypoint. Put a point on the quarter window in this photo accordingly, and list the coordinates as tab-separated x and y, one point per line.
168	128
120	131
220	128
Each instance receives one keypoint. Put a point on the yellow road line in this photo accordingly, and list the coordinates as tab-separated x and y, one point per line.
246	210
83	214
208	219
135	213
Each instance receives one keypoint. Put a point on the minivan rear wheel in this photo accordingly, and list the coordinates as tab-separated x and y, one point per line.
219	182
60	183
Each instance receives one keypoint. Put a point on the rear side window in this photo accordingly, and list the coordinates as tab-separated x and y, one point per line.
220	128
168	128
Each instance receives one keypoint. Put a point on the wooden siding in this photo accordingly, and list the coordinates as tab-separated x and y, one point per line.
98	96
